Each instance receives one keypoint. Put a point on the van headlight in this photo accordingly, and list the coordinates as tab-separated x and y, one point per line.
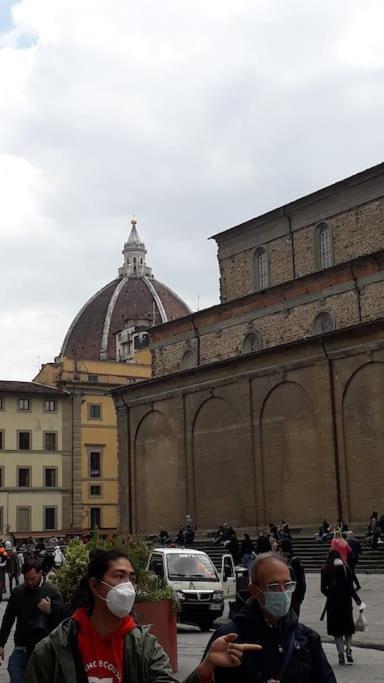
218	596
180	595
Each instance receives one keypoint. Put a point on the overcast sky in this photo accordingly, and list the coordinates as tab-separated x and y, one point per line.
194	114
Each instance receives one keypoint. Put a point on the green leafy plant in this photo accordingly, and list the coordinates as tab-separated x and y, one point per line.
77	555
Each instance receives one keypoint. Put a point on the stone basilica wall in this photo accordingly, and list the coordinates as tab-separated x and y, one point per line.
251	439
351	293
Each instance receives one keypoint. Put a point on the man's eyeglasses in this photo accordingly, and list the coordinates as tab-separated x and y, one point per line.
286	587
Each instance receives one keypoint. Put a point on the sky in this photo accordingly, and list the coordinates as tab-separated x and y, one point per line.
194	114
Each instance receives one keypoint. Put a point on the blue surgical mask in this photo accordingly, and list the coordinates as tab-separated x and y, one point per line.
277	604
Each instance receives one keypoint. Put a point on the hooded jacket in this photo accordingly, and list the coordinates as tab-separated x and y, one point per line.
57	659
307	663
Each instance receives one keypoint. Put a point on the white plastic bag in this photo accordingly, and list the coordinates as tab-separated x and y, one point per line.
361	623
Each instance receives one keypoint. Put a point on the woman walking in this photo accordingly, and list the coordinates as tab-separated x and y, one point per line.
341	546
337	586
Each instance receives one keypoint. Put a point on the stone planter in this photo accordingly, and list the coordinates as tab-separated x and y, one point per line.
162	618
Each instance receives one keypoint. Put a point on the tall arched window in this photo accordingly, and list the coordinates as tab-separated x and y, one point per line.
324	251
260	268
324	323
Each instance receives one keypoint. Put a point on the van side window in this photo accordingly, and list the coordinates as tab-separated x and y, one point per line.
156	565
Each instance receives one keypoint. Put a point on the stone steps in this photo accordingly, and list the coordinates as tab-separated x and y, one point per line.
312	555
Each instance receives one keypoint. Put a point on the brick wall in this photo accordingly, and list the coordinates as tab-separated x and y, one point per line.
351	293
354	233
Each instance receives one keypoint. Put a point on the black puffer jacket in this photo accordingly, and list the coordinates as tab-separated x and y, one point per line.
307	664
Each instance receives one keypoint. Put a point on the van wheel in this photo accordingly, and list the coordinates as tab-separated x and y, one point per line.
205	625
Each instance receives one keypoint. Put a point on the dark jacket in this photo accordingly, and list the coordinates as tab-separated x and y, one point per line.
307	664
31	624
263	545
57	660
337	586
356	548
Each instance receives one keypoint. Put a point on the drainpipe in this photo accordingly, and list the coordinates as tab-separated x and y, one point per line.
197	337
334	430
290	231
357	290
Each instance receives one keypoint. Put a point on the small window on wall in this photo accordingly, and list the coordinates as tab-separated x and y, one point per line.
50	406
93	378
323	245
50	441
1	403
251	343
94	464
23	519
260	269
24	404
50	518
95	490
1	478
95	518
50	477
24	441
94	411
2	440
24	477
324	323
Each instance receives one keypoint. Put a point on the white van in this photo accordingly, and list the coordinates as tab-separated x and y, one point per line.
200	589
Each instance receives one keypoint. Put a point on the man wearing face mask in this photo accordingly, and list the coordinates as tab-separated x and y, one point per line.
101	641
290	652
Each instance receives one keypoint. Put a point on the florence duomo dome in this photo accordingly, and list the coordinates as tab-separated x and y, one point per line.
103	329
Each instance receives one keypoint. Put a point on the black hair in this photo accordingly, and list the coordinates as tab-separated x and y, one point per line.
99	563
29	564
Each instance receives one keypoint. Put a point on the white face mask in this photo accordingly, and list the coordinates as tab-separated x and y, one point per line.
120	598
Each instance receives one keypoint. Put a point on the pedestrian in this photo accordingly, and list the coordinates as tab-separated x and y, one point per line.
298	576
339	544
37	607
291	652
247	551
263	543
164	537
180	537
3	565
354	556
232	546
375	530
12	568
337	586
101	641
58	557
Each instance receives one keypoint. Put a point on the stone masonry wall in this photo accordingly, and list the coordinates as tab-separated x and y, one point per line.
354	233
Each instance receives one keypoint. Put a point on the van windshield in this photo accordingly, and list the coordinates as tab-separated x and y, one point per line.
190	567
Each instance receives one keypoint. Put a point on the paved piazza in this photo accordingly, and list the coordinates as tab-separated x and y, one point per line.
369	662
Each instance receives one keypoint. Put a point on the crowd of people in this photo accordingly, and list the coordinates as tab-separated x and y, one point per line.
56	642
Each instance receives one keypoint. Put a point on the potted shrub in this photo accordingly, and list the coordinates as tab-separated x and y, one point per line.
155	604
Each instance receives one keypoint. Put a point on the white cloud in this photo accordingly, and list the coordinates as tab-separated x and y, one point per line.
195	115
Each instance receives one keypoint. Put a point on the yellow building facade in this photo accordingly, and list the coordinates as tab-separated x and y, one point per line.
93	432
35	459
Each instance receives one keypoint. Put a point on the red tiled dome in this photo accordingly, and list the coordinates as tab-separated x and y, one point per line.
91	335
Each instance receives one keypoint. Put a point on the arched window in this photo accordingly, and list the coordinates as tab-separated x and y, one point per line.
324	323
189	360
260	268
251	343
323	240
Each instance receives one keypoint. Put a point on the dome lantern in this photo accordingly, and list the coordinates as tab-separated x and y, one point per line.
134	253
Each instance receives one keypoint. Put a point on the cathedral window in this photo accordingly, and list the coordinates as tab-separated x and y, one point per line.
260	268
323	245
